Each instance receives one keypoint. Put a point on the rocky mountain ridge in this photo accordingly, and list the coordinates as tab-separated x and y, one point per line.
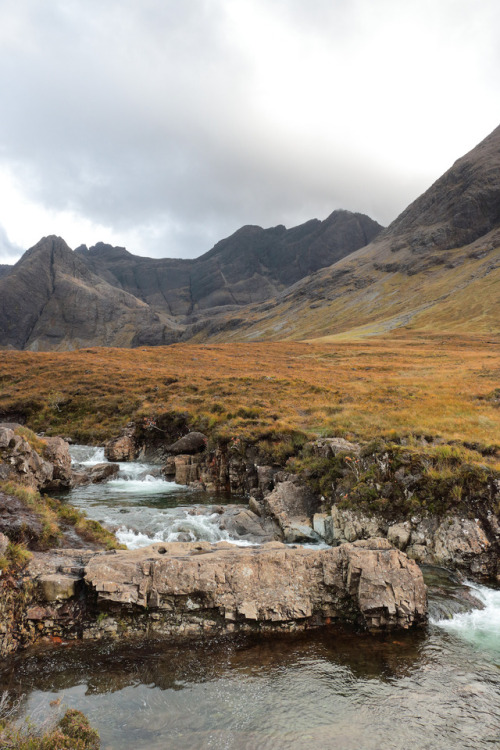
436	267
55	298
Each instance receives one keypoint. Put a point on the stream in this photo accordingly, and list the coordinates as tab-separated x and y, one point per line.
437	689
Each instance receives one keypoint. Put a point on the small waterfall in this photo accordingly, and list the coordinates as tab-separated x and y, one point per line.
479	626
141	507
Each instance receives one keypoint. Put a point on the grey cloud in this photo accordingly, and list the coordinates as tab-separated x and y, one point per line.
140	117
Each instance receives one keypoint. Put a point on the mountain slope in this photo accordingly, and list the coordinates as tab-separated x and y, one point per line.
436	267
251	265
50	300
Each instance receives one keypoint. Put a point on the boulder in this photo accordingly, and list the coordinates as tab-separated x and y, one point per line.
102	472
57	453
121	448
193	442
245	524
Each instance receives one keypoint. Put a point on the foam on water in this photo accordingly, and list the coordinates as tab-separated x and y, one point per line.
185	527
87	455
142	507
480	627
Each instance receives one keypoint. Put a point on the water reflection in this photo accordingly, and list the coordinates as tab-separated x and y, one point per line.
324	688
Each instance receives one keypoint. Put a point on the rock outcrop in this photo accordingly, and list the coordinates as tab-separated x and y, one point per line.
20	462
197	590
465	544
123	447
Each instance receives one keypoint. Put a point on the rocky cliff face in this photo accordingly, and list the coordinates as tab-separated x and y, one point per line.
199	590
251	265
51	300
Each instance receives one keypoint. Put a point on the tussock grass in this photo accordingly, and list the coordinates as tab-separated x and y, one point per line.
405	384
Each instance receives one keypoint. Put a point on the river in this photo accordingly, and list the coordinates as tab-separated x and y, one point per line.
438	689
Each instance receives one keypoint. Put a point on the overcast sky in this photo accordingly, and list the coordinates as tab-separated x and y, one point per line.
165	125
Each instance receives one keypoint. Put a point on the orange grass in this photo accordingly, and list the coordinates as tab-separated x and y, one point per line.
435	385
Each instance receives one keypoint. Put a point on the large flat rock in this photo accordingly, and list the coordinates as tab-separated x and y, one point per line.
368	583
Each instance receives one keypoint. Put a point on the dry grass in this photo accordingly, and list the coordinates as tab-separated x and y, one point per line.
403	384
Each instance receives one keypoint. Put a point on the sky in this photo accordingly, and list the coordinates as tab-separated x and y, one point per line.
164	126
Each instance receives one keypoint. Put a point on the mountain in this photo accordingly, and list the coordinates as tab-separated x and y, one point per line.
252	265
51	300
4	270
436	267
54	298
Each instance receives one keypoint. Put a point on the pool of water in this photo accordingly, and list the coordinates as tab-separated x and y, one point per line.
435	689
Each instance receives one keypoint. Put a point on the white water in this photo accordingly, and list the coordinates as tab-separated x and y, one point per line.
142	507
480	627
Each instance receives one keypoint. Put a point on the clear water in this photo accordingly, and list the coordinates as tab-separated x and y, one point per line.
433	690
437	689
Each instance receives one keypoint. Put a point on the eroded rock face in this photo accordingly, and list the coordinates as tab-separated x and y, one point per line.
453	541
196	590
220	588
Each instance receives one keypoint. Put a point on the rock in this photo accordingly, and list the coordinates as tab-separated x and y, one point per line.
18	522
220	588
187	469
169	467
457	540
193	442
419	552
102	472
6	436
323	526
349	525
19	462
121	448
299	532
56	587
288	501
57	453
399	534
246	525
255	506
326	447
265	479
